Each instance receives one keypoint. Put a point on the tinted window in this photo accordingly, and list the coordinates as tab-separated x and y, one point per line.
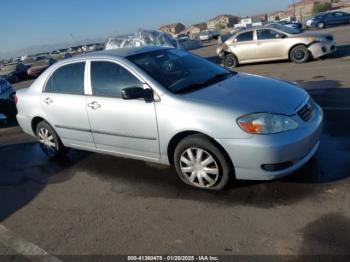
338	14
68	79
108	79
248	36
267	34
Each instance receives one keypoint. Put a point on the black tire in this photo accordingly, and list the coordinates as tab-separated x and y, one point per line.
321	25
230	61
299	54
220	164
49	142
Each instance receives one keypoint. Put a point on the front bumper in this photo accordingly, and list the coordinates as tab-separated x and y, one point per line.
321	49
295	146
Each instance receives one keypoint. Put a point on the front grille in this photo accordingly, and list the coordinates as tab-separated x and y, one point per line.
330	38
306	111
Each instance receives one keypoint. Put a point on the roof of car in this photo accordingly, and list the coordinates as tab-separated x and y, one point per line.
124	52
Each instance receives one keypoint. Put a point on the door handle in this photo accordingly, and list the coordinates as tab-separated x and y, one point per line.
94	105
48	100
259	43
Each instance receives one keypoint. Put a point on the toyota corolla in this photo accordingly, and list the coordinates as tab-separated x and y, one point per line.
172	107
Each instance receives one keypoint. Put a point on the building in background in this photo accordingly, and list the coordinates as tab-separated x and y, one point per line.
222	22
172	28
195	29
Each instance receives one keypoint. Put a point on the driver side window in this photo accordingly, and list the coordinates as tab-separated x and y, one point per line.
108	79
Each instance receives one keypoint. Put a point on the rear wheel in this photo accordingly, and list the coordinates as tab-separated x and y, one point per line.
200	163
49	141
299	54
230	61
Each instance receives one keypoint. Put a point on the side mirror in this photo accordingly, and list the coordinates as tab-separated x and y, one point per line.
137	92
281	36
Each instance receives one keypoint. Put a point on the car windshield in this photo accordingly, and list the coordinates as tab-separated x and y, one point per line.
179	71
287	29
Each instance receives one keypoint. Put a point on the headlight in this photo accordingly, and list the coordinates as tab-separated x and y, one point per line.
265	123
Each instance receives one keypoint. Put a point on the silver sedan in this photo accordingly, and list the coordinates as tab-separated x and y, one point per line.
172	107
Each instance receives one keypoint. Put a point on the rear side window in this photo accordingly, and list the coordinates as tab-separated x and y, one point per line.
247	36
68	79
108	79
265	34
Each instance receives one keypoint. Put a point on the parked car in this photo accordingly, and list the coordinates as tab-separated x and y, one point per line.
205	35
325	19
182	37
7	99
14	72
294	25
40	66
172	107
275	43
214	33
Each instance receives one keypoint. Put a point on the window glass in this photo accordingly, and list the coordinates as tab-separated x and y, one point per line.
267	34
108	79
68	79
248	36
338	14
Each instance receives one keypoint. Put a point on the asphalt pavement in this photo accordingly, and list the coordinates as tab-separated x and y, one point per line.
93	204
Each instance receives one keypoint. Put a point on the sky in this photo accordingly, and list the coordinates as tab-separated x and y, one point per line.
26	23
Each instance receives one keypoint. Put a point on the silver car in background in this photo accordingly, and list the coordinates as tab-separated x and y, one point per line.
273	43
171	107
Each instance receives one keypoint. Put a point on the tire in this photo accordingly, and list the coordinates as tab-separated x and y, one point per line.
199	153
230	61
299	54
49	141
321	25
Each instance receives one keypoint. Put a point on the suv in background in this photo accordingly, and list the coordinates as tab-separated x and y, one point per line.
14	72
323	20
7	99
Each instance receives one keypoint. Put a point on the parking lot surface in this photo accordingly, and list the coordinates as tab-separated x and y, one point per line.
91	204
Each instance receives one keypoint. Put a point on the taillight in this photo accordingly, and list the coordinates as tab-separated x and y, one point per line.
16	99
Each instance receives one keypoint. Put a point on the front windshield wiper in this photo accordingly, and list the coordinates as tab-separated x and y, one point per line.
194	86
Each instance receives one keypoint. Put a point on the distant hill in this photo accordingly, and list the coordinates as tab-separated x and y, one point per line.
48	48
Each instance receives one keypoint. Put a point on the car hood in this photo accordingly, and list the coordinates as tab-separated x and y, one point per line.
247	94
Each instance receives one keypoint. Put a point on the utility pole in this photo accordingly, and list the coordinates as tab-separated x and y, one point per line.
294	9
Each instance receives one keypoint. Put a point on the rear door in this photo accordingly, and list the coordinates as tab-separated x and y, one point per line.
270	45
244	46
64	103
125	127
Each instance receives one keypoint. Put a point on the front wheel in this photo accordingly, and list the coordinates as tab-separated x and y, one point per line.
49	141
200	163
230	61
299	54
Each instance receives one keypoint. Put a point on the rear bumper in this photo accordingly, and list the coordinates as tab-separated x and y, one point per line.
7	106
321	49
295	147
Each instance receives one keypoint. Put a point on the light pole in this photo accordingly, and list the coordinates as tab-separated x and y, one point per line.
294	9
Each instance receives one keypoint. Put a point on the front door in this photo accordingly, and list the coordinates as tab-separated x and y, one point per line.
244	46
125	127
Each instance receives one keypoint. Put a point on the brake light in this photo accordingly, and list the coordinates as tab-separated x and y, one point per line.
16	99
